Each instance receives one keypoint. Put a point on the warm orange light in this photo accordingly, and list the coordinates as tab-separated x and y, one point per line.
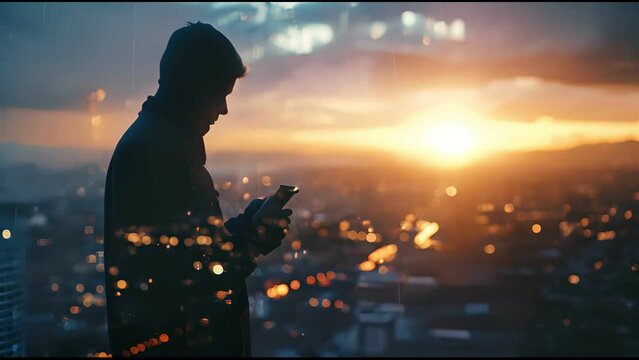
509	208
282	290
406	225
202	240
217	269
386	253
331	275
367	266
489	249
426	230
295	284
296	245
606	235
313	302
227	246
451	191
121	284
598	265
536	228
271	293
326	303
100	95
164	338
134	238
344	225
310	280
573	279
221	295
451	139
114	271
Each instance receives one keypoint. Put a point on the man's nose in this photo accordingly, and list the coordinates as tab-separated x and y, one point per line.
225	109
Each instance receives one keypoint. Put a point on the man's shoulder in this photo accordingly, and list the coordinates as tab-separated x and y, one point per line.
142	141
130	148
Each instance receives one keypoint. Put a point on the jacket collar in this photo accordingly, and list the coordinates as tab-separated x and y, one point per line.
169	122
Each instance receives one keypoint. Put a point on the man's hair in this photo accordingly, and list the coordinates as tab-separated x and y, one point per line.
199	57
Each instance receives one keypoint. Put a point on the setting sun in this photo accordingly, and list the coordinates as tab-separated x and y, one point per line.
451	139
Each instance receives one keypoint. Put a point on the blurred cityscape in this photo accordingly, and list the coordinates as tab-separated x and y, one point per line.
380	260
515	254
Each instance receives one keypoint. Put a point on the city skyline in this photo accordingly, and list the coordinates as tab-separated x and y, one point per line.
468	184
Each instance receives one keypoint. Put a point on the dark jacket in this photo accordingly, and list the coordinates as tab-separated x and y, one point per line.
163	240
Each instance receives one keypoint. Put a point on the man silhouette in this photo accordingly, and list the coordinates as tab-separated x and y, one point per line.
174	270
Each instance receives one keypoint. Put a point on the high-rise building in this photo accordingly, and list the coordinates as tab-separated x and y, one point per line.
12	289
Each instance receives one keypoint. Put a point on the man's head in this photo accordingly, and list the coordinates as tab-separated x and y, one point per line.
197	71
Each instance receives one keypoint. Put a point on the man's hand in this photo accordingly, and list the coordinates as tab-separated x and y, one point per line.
267	236
272	231
242	221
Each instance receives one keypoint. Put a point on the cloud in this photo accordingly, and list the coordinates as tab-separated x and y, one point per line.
56	53
527	99
326	91
575	43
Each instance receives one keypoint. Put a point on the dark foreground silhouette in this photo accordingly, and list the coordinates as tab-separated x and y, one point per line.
175	271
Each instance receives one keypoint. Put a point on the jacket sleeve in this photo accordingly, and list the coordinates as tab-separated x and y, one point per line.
163	247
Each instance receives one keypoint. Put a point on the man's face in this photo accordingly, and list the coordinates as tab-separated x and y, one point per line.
209	110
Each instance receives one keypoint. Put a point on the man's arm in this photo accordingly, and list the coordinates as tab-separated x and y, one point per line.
159	237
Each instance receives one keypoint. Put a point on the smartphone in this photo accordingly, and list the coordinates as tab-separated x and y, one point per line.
274	203
284	194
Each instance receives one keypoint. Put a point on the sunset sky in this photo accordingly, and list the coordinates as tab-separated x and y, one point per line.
442	83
